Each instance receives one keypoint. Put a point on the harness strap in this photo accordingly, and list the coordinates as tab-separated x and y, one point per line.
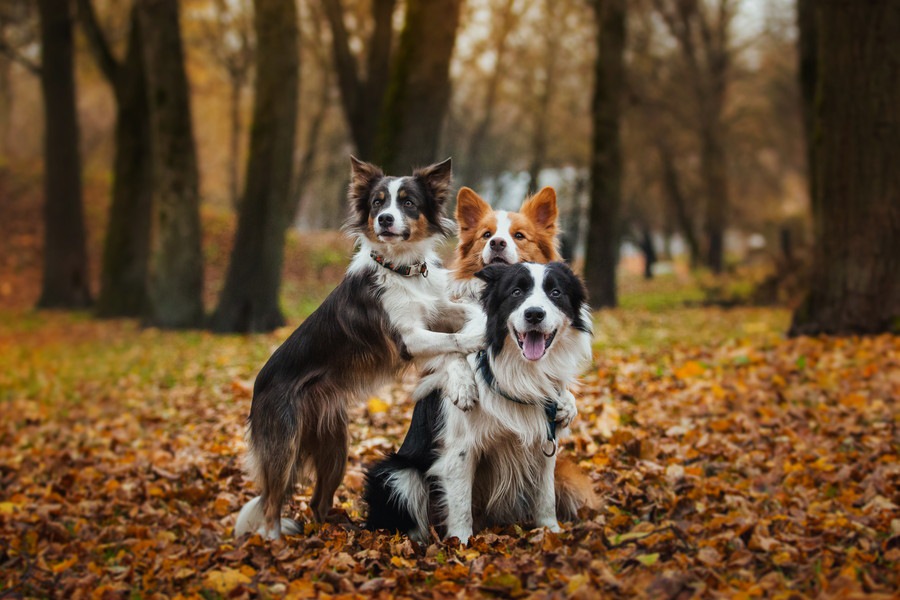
550	405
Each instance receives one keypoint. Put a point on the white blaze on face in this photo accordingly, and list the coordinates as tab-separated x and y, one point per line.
535	335
510	254
392	206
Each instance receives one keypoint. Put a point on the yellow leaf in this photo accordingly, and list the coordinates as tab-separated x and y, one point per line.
64	565
853	401
576	582
300	589
7	508
648	559
377	405
690	369
399	561
225	580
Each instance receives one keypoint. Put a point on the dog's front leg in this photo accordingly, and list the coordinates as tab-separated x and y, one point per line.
545	501
421	343
457	475
566	410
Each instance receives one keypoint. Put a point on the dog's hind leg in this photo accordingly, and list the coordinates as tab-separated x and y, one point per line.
273	441
327	445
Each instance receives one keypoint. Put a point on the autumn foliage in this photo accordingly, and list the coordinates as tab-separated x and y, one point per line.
750	466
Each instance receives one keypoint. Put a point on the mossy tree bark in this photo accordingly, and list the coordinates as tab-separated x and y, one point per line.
602	254
419	89
65	279
126	249
854	287
249	300
175	280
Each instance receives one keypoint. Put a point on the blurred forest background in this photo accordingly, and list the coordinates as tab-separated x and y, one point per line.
676	133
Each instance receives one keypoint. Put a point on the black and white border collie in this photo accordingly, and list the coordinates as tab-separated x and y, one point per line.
493	465
391	308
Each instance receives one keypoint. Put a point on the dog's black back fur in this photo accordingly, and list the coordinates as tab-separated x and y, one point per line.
418	452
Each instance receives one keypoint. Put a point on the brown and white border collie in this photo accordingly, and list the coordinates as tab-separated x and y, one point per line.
388	311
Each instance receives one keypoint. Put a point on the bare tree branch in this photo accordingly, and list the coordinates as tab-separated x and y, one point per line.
14	55
97	41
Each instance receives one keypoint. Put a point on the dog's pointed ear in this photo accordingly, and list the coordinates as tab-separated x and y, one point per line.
363	174
470	208
437	178
541	208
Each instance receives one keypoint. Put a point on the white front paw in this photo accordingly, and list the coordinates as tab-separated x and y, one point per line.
461	389
462	535
566	410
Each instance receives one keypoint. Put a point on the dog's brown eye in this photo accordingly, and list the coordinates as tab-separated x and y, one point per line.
516	292
555	293
376	203
486	235
520	235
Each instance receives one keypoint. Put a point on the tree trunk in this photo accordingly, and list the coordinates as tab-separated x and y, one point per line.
808	64
65	281
234	141
249	301
6	105
126	250
175	283
419	89
362	98
714	166
855	288
647	249
602	253
473	163
678	202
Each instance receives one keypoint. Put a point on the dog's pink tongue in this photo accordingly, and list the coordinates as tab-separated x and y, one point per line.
534	345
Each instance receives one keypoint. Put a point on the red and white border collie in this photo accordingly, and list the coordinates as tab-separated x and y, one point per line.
386	312
490	237
493	465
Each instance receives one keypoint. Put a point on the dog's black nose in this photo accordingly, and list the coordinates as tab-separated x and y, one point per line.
535	314
385	219
498	244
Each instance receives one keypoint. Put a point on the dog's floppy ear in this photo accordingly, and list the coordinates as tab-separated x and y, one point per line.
541	208
470	208
491	273
437	178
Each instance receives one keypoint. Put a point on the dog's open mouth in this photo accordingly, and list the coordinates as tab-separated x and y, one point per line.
391	236
534	344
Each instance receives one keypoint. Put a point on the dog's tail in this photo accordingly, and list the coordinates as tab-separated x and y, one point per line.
252	519
574	490
397	495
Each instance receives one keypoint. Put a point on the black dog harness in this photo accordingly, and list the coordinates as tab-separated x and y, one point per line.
419	268
550	406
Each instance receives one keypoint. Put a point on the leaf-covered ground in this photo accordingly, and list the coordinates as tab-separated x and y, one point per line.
731	462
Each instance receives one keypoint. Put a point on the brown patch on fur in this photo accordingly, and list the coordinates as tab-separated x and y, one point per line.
574	490
419	229
536	220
